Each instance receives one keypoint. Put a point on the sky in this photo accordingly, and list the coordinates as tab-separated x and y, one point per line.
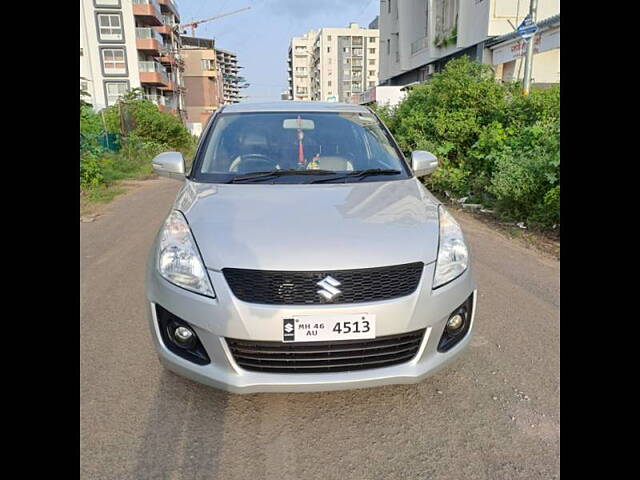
260	36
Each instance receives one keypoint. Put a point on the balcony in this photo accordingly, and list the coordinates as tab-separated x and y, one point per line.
169	20
167	57
419	44
169	5
147	11
148	41
165	104
170	87
152	73
163	30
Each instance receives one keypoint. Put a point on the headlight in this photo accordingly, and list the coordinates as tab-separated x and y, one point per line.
179	259
453	256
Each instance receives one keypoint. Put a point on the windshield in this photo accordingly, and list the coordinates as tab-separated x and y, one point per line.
298	147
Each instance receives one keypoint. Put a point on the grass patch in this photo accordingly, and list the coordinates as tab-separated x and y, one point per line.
91	197
116	169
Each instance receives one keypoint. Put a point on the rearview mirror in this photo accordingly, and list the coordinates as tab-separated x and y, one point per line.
170	165
298	124
423	163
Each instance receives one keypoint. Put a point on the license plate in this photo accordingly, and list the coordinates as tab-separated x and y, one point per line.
320	328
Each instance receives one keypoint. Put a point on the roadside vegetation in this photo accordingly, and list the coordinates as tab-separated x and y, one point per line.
108	158
496	147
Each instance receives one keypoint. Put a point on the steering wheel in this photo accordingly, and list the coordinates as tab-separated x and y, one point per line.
252	162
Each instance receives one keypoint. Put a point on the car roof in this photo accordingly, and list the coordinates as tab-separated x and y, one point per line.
293	106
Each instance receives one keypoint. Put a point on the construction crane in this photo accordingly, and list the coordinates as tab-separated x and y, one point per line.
194	24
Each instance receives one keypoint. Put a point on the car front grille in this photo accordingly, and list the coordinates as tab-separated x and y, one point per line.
273	287
318	357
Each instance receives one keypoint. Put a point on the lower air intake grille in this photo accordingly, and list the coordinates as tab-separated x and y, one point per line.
316	357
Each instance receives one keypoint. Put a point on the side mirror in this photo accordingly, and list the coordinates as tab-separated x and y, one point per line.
423	163
170	165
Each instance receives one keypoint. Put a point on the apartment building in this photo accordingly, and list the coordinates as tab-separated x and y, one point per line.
333	64
203	82
228	64
127	44
299	64
417	37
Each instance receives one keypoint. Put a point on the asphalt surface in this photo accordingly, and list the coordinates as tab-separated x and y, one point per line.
494	414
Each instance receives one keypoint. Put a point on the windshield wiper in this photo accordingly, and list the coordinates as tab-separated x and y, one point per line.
360	174
248	177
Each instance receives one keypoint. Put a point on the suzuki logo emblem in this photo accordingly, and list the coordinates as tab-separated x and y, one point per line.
329	290
288	328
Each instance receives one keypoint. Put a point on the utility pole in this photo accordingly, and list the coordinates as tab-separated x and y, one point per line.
528	63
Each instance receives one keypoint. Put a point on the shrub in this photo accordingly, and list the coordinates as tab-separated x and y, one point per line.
527	168
386	114
152	132
494	144
91	171
150	125
90	122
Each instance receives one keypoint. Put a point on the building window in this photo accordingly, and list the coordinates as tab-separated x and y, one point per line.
328	38
207	64
114	61
114	90
372	39
388	46
110	27
389	7
372	84
107	3
372	73
372	61
81	52
373	50
328	49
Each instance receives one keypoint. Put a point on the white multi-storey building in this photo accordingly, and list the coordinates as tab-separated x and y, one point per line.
299	66
333	64
127	44
417	37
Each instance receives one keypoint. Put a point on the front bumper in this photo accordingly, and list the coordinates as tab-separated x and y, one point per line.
227	317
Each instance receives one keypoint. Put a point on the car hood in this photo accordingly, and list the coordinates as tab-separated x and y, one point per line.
312	227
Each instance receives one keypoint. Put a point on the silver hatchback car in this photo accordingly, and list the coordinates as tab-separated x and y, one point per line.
304	254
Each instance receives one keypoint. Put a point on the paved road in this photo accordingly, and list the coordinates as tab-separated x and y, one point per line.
492	415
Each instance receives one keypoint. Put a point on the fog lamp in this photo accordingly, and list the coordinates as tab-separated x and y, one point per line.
455	323
183	336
